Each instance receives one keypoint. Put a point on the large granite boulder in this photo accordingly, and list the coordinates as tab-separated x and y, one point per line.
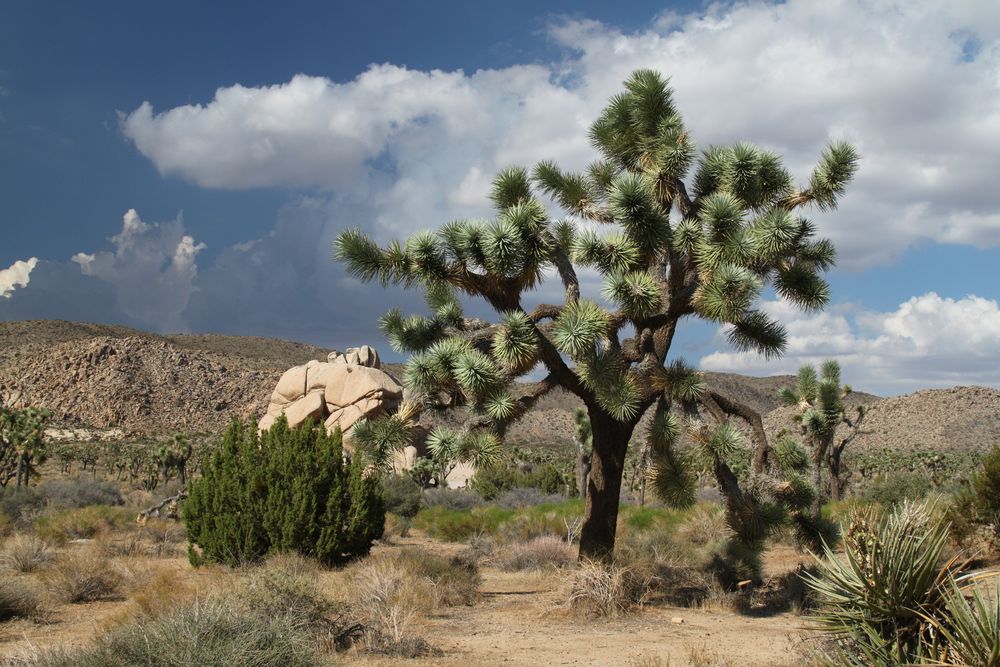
339	391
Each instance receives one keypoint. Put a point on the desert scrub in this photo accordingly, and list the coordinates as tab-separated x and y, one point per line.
82	523
459	525
84	576
546	551
19	598
389	598
25	553
607	589
206	632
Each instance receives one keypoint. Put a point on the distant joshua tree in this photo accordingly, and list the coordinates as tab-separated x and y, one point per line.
666	249
820	400
173	457
22	444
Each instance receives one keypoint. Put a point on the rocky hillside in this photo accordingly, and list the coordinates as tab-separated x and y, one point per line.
960	419
105	376
102	377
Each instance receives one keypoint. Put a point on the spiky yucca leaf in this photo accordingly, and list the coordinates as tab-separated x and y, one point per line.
680	382
800	284
727	294
631	203
663	432
476	374
808	384
837	166
637	292
515	343
571	191
722	215
970	625
673	481
757	332
872	597
773	234
578	329
499	405
620	397
510	187
791	456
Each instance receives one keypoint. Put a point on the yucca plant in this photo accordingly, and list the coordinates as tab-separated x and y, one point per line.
665	249
893	600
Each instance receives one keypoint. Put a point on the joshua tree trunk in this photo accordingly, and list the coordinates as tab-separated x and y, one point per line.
607	465
582	468
818	483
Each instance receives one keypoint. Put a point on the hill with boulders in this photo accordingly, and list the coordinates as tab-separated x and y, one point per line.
101	376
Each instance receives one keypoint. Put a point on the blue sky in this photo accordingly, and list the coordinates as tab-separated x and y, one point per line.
183	167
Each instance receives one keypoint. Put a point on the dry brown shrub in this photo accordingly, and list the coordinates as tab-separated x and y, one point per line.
608	590
84	576
19	598
25	553
547	551
163	592
395	526
389	599
164	536
122	545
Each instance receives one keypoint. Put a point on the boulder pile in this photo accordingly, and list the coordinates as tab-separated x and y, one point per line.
340	391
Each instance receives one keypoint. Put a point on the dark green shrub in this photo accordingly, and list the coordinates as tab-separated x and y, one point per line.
491	482
283	490
986	486
893	489
402	495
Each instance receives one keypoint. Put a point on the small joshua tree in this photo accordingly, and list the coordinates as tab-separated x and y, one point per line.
820	400
666	250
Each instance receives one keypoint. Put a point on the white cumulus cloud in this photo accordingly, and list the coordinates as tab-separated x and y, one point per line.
916	85
928	341
152	269
16	275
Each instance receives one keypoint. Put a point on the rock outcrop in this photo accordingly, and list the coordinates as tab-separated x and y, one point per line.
340	391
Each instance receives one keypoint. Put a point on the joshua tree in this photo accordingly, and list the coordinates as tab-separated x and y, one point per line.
820	400
22	444
173	456
665	248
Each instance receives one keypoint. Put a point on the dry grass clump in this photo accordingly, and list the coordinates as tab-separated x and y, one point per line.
525	527
389	598
122	545
163	592
546	551
82	523
19	599
207	632
608	590
284	586
84	576
395	588
164	536
25	553
395	526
